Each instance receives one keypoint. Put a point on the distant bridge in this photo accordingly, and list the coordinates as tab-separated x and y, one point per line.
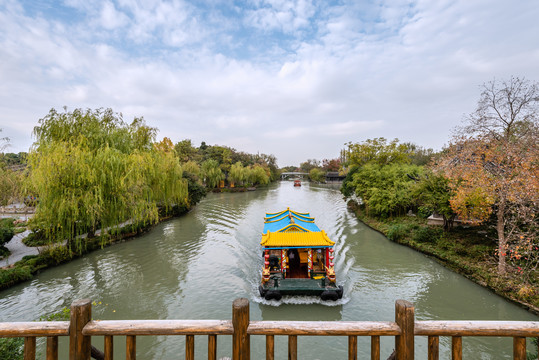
331	176
287	175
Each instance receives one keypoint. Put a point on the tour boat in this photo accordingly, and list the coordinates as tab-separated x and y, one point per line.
298	258
297	182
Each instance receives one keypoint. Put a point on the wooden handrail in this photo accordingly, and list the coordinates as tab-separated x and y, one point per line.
158	327
477	328
324	328
80	329
42	328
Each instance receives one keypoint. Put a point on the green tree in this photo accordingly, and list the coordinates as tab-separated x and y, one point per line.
433	192
317	174
257	175
377	151
237	173
211	173
385	189
419	155
90	169
186	151
10	181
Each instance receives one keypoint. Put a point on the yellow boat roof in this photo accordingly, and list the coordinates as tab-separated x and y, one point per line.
290	239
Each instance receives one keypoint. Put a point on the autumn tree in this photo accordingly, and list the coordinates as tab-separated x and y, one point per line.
492	164
308	165
331	165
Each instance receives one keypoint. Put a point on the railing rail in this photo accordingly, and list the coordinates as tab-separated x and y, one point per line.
404	329
324	328
518	330
158	327
477	328
31	330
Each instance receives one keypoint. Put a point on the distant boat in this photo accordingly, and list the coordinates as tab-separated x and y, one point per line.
298	258
297	182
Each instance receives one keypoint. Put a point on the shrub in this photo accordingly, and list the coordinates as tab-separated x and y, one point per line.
6	234
398	231
14	276
56	254
4	252
11	348
427	234
6	222
424	212
36	238
526	292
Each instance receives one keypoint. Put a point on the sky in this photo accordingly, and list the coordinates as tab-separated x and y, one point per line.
297	79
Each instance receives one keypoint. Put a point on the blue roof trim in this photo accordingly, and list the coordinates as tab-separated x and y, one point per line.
281	220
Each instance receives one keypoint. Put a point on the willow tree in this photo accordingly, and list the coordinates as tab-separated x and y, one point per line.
493	166
92	170
257	175
211	173
10	181
237	173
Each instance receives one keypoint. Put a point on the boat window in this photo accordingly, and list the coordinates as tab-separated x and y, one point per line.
318	260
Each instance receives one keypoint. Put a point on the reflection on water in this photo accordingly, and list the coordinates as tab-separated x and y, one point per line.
193	267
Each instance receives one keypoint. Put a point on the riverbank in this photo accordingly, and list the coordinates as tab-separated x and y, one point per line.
32	260
468	251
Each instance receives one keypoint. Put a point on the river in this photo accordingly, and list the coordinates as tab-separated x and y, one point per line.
194	266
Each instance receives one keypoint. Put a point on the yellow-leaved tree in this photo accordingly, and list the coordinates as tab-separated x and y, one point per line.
492	164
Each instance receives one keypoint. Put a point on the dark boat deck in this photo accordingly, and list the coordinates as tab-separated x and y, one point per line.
300	284
291	286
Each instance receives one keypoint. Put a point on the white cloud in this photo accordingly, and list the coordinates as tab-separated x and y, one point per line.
405	69
111	18
285	16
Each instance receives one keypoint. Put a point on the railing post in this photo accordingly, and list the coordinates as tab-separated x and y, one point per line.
52	348
241	349
79	345
405	318
29	348
519	348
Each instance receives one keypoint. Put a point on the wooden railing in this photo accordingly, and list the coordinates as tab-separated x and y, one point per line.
404	329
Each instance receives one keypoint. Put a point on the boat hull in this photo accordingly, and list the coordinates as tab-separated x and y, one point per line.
275	288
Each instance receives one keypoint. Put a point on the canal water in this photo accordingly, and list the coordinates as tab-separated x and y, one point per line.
194	266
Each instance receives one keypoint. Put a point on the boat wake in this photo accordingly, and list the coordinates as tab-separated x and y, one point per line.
298	300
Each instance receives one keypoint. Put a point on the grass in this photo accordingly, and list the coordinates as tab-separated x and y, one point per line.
466	250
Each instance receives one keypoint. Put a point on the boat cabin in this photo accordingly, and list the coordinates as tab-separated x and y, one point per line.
298	257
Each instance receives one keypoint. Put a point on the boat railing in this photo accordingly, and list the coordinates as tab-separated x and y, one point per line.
80	330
